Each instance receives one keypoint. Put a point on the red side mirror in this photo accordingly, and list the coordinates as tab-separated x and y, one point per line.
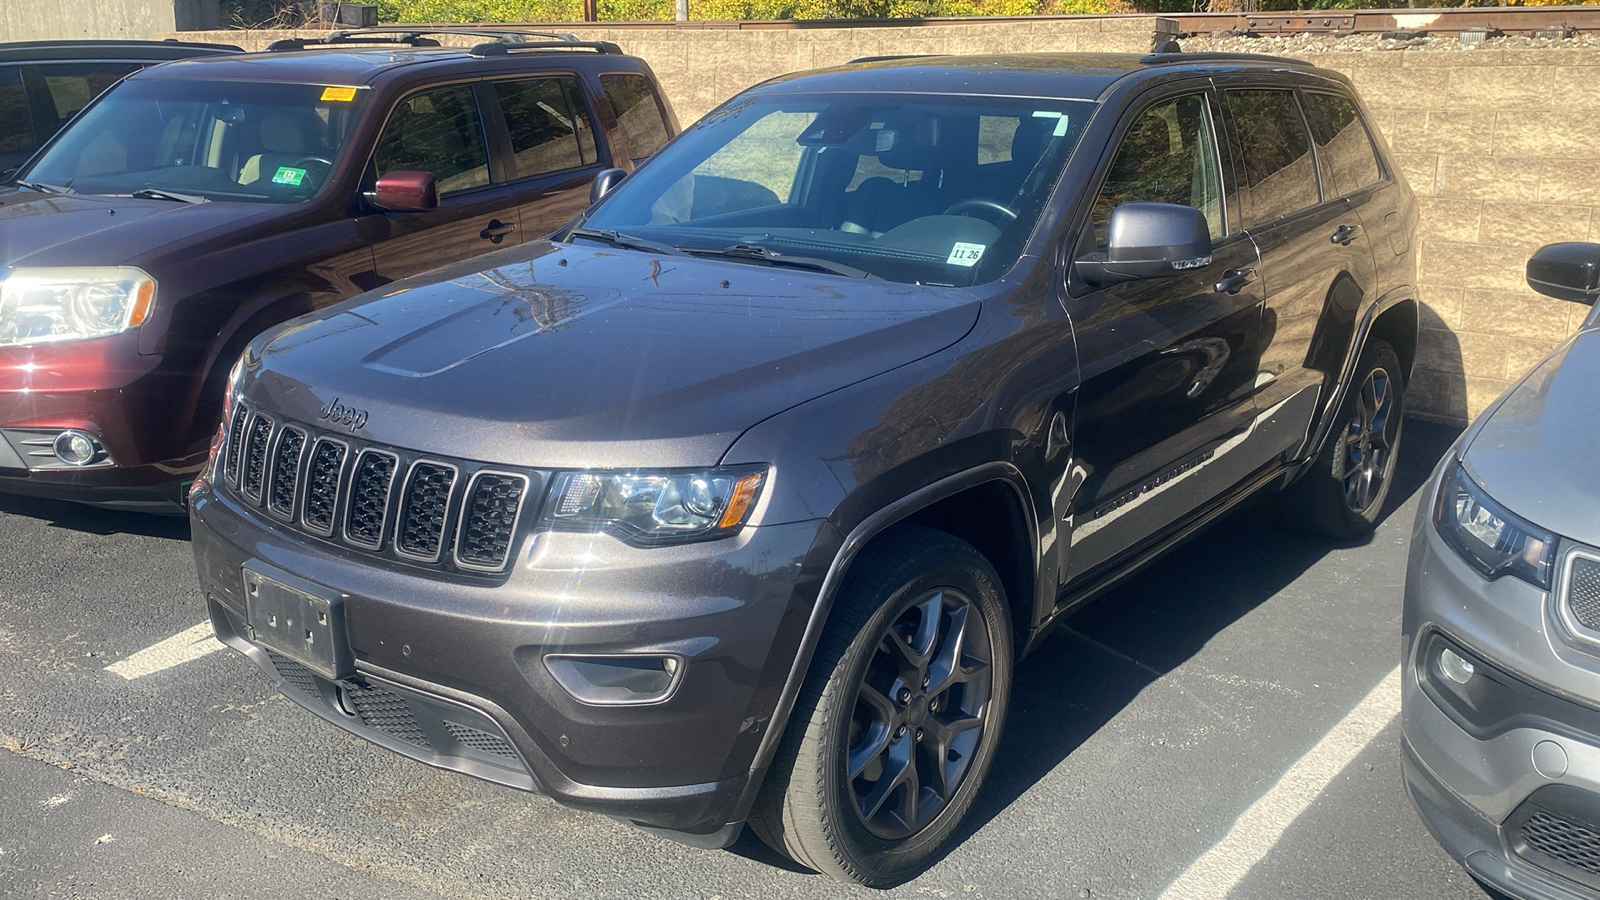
406	191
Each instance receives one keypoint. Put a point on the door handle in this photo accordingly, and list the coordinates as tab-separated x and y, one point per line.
1343	234
496	231
1234	280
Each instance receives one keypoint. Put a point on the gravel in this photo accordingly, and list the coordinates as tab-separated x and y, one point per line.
1337	43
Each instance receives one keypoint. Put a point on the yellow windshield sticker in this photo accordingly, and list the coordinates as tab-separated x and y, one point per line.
339	93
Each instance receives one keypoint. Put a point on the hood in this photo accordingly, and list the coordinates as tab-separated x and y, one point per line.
73	230
1538	453
551	355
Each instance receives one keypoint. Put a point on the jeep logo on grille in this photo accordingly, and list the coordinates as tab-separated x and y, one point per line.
337	413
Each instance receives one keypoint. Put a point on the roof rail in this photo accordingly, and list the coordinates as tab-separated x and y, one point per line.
415	37
501	48
1178	58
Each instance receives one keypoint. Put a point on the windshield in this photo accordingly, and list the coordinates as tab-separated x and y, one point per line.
223	140
910	188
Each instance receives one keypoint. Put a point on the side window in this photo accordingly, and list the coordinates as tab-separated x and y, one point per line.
1168	156
638	111
16	125
73	85
438	131
1279	170
1343	145
548	133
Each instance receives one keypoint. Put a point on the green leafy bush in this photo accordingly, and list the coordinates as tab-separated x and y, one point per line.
723	10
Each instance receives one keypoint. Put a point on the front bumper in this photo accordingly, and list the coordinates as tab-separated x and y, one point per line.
450	669
1519	744
134	404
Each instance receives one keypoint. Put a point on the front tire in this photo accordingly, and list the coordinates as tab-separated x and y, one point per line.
898	720
1343	493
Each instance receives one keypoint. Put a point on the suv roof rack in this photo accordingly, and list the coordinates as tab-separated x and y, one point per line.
418	37
567	42
1176	57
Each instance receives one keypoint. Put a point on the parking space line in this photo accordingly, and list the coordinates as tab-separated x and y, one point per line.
185	646
1259	828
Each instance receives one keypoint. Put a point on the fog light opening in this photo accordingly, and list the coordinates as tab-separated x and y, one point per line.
622	680
78	448
1454	667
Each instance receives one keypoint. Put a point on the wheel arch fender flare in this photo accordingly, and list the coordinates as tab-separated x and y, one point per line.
1399	301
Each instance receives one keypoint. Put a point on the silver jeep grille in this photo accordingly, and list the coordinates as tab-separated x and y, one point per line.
447	514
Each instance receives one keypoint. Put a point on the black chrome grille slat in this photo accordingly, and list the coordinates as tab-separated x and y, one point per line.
489	520
230	463
254	472
442	513
323	476
368	507
285	481
425	510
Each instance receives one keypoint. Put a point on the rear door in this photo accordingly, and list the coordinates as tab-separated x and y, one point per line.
1167	364
442	130
1314	247
550	149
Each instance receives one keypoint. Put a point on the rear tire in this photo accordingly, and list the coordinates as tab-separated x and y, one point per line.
1343	493
897	722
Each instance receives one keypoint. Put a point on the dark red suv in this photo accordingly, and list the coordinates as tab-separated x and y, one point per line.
200	202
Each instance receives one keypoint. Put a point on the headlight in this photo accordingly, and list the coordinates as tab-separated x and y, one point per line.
1487	536
654	507
42	305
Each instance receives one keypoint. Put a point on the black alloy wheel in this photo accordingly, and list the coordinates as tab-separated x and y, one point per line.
919	714
1370	436
898	719
1342	493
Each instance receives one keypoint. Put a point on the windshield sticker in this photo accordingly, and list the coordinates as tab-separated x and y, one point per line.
963	254
293	177
339	93
1061	121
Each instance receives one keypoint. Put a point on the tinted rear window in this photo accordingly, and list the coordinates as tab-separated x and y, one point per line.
1279	169
73	85
1343	145
16	127
548	132
638	111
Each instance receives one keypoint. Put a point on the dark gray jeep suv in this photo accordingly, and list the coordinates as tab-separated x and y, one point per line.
738	499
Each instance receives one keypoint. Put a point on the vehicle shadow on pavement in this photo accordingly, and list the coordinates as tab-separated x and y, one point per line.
93	520
1083	675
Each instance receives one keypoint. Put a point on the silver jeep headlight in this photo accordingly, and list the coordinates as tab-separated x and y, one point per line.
1488	537
69	303
654	507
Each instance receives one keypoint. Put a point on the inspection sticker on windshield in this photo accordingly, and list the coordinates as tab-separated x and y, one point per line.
339	93
293	177
963	254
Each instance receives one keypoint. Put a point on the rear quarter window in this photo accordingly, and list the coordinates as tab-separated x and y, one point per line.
1344	148
638	110
1279	169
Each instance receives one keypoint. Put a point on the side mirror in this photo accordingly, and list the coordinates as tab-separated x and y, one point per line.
1566	271
1149	240
406	191
605	183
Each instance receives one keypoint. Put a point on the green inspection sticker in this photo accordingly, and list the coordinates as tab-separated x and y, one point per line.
287	175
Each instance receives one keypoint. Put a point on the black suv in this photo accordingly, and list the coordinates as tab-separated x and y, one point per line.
200	202
43	84
738	500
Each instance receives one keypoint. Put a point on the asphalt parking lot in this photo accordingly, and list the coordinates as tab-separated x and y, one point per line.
1166	740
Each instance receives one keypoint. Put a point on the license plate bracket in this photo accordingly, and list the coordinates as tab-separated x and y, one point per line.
299	619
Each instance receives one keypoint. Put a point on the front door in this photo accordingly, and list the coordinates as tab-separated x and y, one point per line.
1167	364
441	130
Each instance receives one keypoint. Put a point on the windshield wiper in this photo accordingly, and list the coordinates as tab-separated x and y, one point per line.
159	194
46	188
758	253
625	241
